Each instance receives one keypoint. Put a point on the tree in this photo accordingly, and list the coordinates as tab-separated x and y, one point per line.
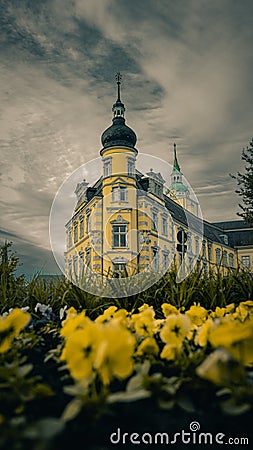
245	183
12	287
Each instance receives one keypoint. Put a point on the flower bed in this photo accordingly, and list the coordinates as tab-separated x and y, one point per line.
65	376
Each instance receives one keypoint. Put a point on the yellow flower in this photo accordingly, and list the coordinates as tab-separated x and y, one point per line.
81	350
175	330
114	355
230	307
113	313
197	314
168	309
221	369
202	335
74	322
10	326
169	352
107	315
244	310
148	347
236	337
144	307
219	312
144	322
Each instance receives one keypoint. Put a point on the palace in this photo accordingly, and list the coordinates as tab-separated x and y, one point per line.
128	222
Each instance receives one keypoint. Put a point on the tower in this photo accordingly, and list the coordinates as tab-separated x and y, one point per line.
119	210
178	191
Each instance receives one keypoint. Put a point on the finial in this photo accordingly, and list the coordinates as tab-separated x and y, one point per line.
118	77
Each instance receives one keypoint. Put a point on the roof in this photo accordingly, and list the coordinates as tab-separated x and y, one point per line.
232	225
240	233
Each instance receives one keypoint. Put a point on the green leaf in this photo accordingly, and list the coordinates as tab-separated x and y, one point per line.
128	396
231	408
43	390
24	370
72	410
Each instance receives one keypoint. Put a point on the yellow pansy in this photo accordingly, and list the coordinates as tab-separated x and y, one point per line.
113	313
236	337
107	314
169	352
81	349
114	354
197	314
10	326
202	334
175	330
144	322
168	309
74	322
219	312
244	310
148	347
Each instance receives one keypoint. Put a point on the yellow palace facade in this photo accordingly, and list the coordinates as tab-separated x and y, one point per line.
127	222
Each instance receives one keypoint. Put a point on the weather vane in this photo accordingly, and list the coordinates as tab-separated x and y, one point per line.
118	77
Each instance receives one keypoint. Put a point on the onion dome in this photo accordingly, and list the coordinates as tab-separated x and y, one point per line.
118	134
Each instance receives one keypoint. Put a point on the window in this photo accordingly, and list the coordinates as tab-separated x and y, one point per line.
217	255
155	258
122	194
75	266
209	251
88	257
225	257
119	235
197	245
204	249
231	260
88	223
114	193
81	227
189	240
81	264
164	226
166	259
69	237
245	261
107	167
119	268
155	221
75	232
130	167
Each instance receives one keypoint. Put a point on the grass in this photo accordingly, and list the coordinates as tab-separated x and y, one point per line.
210	290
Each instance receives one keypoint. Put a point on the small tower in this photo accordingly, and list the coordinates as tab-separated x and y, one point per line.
178	191
120	244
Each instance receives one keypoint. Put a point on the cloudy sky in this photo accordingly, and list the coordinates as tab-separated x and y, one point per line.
187	68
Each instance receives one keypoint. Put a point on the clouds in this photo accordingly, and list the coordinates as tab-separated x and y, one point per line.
187	77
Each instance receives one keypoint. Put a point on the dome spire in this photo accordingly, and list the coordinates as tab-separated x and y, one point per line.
118	108
118	134
175	164
118	77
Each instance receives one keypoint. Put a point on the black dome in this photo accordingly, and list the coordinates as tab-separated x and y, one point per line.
118	134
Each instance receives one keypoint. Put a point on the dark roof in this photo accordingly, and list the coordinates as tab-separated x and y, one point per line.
118	134
240	233
232	225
